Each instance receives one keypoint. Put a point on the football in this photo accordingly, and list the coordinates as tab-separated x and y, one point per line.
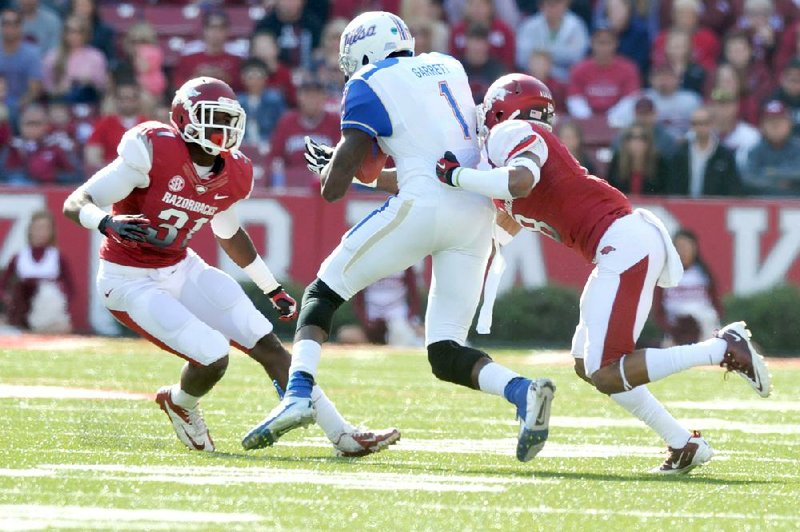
372	164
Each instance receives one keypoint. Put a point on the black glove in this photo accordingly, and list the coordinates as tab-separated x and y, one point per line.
317	155
284	304
127	229
445	168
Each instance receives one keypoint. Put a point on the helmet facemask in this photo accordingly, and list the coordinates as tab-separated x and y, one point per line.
227	133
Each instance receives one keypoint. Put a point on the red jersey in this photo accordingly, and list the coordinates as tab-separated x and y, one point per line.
107	133
604	85
566	204
176	201
288	143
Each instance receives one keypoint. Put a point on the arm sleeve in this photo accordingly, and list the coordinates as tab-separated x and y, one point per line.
363	109
115	182
225	224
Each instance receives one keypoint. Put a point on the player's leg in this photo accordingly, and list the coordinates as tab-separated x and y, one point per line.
220	302
143	305
621	368
389	240
453	299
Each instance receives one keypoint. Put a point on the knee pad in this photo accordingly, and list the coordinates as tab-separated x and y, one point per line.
202	344
319	305
452	362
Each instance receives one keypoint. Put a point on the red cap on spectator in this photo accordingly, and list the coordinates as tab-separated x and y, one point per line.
775	109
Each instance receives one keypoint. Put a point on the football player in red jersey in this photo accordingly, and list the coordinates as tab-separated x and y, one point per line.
539	185
167	182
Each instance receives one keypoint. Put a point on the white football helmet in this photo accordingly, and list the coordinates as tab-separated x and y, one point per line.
371	37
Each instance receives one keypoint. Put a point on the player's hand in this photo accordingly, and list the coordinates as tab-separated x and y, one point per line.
127	229
284	304
317	155
445	168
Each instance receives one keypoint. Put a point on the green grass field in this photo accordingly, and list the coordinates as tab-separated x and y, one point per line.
114	463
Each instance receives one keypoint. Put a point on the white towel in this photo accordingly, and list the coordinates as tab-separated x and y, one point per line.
673	269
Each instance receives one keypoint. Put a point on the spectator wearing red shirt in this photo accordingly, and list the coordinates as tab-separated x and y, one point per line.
101	147
602	80
264	47
5	114
36	284
501	36
33	159
756	79
481	67
297	29
212	59
540	66
287	146
705	44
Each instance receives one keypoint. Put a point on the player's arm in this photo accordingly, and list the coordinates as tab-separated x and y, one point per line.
109	185
515	180
238	245
518	151
318	156
345	162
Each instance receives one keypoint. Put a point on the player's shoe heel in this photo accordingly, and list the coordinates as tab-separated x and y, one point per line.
535	428
290	414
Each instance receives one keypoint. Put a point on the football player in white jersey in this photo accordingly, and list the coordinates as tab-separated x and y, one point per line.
412	107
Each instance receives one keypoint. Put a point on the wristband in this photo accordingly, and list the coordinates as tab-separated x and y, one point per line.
91	215
260	274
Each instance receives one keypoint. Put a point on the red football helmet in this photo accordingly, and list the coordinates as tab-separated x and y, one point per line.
196	112
516	96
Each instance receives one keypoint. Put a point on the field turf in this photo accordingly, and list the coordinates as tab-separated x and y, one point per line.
112	461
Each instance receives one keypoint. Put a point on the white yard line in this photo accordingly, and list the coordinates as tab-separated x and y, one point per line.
36	516
217	475
22	391
759	405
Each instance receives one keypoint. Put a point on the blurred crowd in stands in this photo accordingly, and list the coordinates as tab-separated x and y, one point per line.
669	97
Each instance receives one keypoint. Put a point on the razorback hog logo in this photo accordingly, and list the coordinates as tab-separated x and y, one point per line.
358	34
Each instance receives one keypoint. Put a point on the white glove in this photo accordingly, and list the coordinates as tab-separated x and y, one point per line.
317	155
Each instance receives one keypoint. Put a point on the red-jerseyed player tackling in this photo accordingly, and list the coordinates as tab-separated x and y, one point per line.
168	181
540	186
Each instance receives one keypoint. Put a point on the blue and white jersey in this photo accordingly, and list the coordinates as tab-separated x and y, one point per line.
417	108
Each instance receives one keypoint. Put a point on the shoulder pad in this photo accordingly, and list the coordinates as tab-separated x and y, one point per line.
512	138
136	149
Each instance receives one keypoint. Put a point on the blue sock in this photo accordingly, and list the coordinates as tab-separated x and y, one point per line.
299	385
516	393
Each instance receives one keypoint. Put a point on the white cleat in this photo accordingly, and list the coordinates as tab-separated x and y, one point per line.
291	413
358	442
741	357
189	425
534	429
695	453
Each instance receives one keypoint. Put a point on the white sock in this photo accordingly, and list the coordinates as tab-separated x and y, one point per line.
183	399
305	357
494	377
328	418
664	362
643	405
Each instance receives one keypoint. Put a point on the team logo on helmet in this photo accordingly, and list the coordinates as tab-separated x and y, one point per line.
176	184
358	34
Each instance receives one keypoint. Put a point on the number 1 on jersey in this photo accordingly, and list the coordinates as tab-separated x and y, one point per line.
444	90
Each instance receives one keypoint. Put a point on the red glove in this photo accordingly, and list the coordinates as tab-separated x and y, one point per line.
445	168
284	304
